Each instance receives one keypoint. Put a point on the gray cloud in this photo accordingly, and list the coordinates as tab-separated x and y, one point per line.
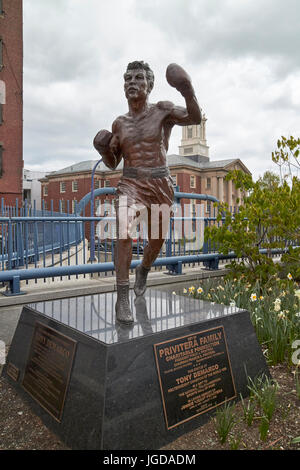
242	56
214	29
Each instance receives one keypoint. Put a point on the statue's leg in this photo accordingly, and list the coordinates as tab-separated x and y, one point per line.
122	261
151	251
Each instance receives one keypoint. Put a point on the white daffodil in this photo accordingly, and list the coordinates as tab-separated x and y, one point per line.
281	316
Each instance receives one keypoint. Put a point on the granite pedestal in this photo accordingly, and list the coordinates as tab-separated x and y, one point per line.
101	385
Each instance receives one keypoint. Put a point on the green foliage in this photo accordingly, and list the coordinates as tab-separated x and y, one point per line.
268	218
234	442
264	428
264	391
248	410
287	156
224	421
274	309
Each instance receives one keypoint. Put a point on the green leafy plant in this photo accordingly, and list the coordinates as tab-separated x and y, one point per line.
235	441
264	428
264	390
263	222
274	309
225	420
248	410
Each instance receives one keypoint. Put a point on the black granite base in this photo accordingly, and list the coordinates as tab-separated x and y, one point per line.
108	386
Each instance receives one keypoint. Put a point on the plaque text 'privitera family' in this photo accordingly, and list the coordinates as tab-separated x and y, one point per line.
194	373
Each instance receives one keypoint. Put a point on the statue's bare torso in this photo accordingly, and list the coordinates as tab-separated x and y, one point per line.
143	139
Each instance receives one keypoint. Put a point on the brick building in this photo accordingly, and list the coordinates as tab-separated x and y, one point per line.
191	170
11	100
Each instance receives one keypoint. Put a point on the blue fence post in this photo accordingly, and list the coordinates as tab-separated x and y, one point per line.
35	237
92	231
13	287
9	244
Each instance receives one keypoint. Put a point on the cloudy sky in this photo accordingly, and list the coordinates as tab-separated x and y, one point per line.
243	57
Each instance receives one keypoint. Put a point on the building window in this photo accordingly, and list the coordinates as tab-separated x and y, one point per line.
97	184
62	186
193	181
208	183
74	186
174	178
188	150
46	190
107	183
189	132
208	207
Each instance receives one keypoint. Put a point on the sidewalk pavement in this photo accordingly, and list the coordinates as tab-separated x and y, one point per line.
11	306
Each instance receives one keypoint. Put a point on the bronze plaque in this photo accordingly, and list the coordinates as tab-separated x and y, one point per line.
48	368
194	373
12	371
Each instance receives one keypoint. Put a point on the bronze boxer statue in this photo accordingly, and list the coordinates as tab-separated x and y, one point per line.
141	138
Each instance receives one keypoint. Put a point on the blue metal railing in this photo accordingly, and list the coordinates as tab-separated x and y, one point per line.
38	240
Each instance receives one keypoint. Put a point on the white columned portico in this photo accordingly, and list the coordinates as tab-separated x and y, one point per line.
229	195
221	189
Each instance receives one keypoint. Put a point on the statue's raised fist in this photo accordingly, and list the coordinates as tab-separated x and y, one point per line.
178	78
102	140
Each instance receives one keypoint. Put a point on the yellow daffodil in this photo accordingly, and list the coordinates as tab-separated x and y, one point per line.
253	297
200	290
191	289
289	276
185	291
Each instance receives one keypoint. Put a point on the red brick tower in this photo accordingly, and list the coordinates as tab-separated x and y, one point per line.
11	100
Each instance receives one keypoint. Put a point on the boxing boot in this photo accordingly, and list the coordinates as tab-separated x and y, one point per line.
141	274
123	310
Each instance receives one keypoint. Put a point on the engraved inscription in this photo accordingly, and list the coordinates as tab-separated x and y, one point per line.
48	368
195	374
